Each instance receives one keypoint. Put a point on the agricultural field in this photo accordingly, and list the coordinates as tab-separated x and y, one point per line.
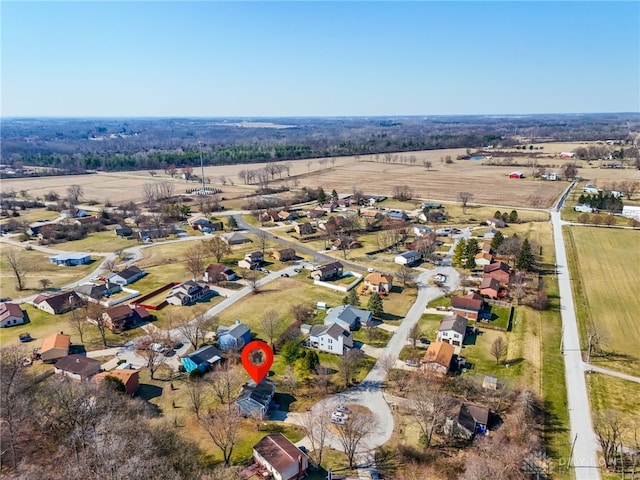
604	268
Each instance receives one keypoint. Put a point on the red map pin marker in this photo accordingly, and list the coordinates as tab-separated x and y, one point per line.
257	358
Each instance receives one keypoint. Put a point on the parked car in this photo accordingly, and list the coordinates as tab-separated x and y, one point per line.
297	270
338	421
339	415
341	408
95	278
25	337
284	275
371	269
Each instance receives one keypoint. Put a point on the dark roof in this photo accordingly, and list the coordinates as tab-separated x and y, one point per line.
472	302
130	272
279	451
205	354
493	267
92	290
10	310
331	266
454	322
216	269
468	415
78	364
490	282
119	311
334	330
59	301
253	396
349	314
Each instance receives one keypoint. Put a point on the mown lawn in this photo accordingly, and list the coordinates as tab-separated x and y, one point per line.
106	241
605	291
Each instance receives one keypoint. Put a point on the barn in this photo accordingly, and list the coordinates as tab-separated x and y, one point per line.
516	175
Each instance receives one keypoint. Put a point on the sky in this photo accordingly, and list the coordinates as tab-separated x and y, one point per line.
331	58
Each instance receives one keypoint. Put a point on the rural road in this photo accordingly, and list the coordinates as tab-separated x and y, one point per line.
585	450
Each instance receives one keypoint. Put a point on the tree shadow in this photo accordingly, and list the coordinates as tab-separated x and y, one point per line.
148	392
390	316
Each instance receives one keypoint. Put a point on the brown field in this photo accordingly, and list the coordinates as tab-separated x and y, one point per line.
489	184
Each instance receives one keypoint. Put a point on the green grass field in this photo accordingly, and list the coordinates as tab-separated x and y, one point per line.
611	393
605	268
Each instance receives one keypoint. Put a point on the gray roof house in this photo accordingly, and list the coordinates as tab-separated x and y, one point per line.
127	276
330	338
232	337
452	330
254	400
467	419
347	316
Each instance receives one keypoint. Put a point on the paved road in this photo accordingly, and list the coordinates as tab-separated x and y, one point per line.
585	451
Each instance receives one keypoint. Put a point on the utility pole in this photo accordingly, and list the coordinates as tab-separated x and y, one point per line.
202	168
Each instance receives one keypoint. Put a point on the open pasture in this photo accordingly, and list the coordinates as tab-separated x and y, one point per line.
604	265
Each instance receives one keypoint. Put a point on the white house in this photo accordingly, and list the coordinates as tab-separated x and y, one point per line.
452	330
420	230
281	457
631	212
330	338
584	208
407	258
10	314
127	276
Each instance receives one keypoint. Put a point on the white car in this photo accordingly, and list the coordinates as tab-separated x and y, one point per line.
339	415
341	408
338	421
95	278
371	269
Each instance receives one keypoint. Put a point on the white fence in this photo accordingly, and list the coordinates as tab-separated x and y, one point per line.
131	294
340	288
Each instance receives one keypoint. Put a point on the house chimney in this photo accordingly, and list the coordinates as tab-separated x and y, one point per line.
300	473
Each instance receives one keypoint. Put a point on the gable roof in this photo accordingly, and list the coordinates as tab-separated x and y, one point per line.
92	290
236	330
440	353
348	314
119	311
472	302
58	301
10	310
255	396
78	365
454	322
215	269
208	353
57	340
468	415
376	278
279	451
122	374
493	267
235	237
330	267
129	272
490	282
334	330
484	256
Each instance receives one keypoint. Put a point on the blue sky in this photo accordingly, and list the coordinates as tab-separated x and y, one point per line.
318	58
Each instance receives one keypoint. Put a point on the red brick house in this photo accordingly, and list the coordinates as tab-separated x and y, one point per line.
468	306
498	270
491	287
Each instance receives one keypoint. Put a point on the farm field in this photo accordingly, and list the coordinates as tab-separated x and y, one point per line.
605	269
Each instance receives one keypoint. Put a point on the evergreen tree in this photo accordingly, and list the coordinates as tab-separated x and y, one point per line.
497	215
505	217
513	216
472	248
231	223
374	305
459	252
290	351
498	238
322	197
525	257
352	298
334	194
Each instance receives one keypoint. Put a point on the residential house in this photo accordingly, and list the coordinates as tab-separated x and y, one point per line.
281	457
11	314
346	243
468	306
398	215
483	258
329	207
498	270
329	271
252	260
77	367
407	258
489	233
453	329
73	213
377	282
55	347
235	238
485	247
254	399
59	303
495	223
467	419
204	224
188	292
438	357
420	230
123	231
269	216
153	233
371	215
202	359
317	212
284	215
233	337
304	229
95	292
284	255
491	287
217	272
330	338
70	259
347	316
126	276
122	317
129	377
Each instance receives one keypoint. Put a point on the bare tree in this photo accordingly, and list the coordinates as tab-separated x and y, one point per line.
74	194
196	394
387	363
414	335
18	266
358	427
94	311
262	241
427	164
271	324
404	274
110	264
609	427
78	322
301	312
224	382
218	248
464	198
315	424
498	349
252	277
430	405
289	379
426	245
196	329
146	349
150	193
223	426
195	257
402	192
348	364
44	283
